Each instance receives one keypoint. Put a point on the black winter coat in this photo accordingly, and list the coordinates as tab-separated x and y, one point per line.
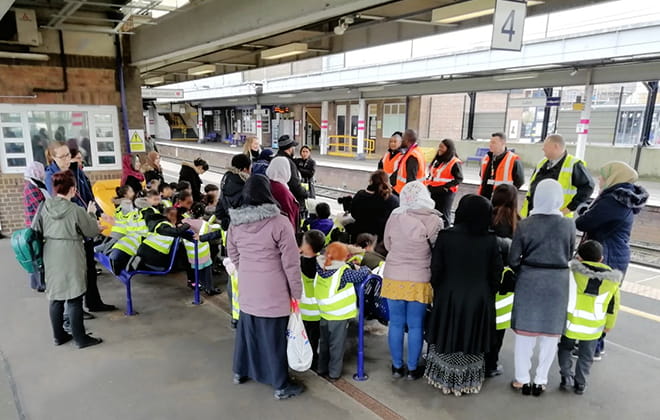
231	197
371	212
189	173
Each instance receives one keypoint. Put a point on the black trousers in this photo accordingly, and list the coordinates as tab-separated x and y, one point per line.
92	296
492	357
444	201
313	329
74	313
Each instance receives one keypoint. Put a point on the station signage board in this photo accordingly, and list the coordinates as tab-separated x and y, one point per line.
151	93
508	25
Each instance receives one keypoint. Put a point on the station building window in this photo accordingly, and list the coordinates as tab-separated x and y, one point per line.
394	118
27	130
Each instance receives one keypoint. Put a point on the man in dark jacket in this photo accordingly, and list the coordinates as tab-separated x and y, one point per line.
287	148
231	188
190	173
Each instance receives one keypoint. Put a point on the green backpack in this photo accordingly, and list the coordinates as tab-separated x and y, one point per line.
28	247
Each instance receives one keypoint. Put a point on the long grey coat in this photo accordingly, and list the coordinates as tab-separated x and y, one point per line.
540	251
63	225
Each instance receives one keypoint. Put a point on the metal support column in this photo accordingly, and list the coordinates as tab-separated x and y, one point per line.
258	117
546	115
200	125
618	117
323	141
583	126
649	110
473	104
361	125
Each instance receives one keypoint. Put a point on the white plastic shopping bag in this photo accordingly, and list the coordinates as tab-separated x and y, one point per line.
298	350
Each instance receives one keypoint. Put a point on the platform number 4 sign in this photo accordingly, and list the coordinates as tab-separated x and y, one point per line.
508	25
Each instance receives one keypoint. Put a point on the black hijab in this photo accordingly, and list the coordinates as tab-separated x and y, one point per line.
257	191
474	214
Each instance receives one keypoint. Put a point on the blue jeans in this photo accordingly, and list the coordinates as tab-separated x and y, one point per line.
404	313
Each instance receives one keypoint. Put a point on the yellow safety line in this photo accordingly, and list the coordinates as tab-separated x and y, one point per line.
642	314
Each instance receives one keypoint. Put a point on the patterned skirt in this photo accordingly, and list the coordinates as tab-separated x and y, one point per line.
455	373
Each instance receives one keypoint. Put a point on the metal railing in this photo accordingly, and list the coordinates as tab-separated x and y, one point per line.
346	146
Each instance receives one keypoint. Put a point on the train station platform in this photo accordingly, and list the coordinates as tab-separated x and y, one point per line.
173	361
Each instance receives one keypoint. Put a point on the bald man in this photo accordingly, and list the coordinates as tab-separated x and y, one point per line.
568	170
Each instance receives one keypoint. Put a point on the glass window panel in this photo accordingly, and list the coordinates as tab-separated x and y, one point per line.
105	146
16	162
12	132
14	147
102	118
107	160
10	118
104	132
40	135
72	127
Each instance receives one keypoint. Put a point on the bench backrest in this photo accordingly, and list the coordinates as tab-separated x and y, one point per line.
481	151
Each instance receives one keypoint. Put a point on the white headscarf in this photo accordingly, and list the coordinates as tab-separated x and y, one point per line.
414	196
35	170
548	198
279	170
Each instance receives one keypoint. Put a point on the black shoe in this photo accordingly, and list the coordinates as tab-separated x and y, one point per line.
579	388
234	324
398	372
291	390
63	340
40	289
566	383
99	271
238	379
87	316
415	374
103	307
90	341
537	390
212	292
491	373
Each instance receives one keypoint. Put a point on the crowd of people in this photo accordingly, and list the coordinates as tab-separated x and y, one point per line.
454	283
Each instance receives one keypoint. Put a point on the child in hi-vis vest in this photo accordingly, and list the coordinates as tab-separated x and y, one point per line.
593	305
336	297
311	245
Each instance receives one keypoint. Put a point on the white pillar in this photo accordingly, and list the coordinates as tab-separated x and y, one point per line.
259	121
200	124
361	125
585	115
323	141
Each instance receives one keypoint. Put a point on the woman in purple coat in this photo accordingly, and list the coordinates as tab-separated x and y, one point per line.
262	246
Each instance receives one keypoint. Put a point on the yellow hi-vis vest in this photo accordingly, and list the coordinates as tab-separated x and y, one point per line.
136	224
128	244
160	243
335	304
203	250
379	270
235	307
565	180
503	307
309	307
591	309
120	227
166	203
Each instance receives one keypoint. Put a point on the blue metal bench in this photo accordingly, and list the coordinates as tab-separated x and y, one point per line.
126	276
384	311
480	153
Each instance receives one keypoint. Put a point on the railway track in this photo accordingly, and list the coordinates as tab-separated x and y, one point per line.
644	254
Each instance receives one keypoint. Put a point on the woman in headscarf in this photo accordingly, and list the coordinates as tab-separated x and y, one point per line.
466	269
34	193
131	174
409	235
610	217
263	248
279	173
152	169
542	246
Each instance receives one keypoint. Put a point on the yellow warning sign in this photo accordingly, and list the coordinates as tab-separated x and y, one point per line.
136	142
578	106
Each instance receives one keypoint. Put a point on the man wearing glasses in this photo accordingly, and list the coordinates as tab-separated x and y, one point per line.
61	161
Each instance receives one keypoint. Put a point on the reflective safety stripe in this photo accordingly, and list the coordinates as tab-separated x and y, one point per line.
565	179
587	314
160	243
390	165
379	270
235	307
203	250
121	223
583	329
503	306
401	175
335	304
309	307
504	173
128	244
505	301
166	203
503	319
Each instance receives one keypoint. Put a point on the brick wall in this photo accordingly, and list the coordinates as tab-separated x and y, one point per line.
11	194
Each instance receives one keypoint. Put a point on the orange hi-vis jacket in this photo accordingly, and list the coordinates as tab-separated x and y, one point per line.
441	174
504	173
391	164
402	175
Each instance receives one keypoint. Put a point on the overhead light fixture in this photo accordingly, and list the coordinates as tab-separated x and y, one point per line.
203	69
344	23
23	56
522	76
371	88
287	95
468	10
287	50
158	80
